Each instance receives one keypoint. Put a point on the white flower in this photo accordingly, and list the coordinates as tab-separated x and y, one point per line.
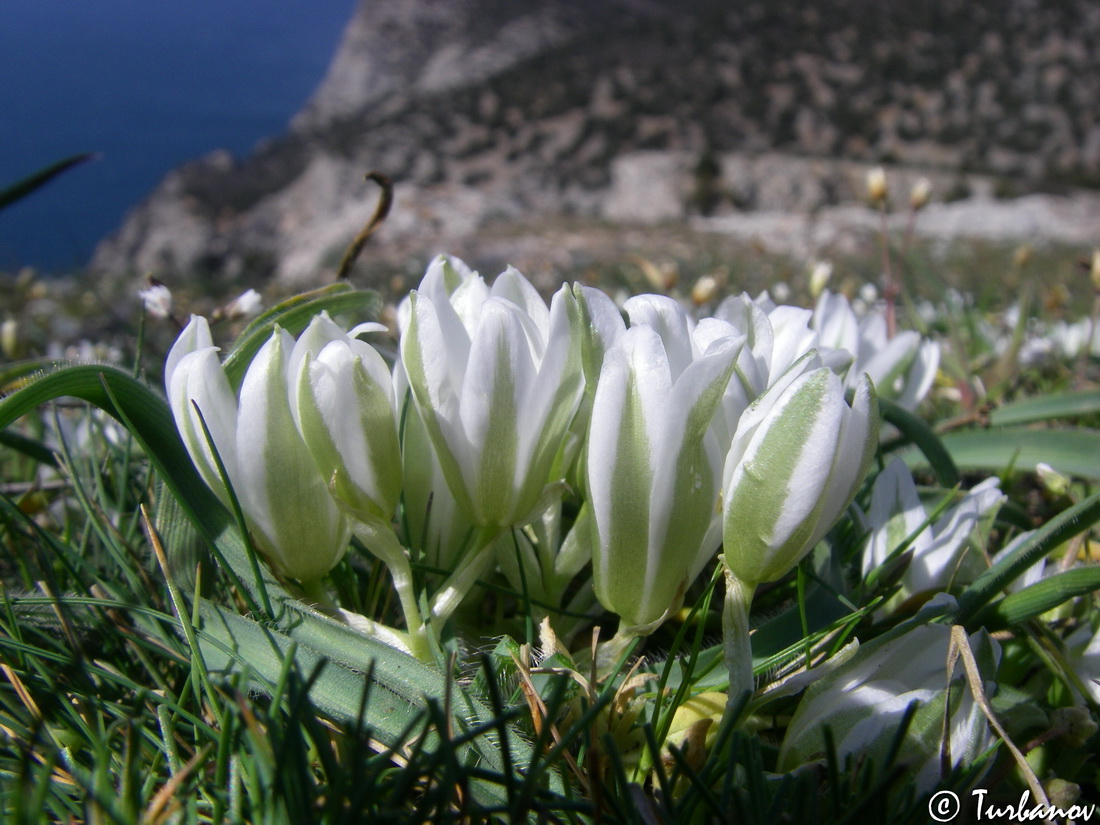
1084	653
865	700
246	305
654	461
496	377
876	185
797	459
820	273
342	401
776	338
937	551
157	300
294	521
902	368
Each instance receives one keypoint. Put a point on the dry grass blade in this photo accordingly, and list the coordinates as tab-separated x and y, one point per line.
355	248
960	645
159	809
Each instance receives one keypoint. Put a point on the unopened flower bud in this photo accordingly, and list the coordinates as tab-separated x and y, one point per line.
1055	483
9	339
819	276
704	290
1063	793
920	194
876	186
799	455
654	469
1077	724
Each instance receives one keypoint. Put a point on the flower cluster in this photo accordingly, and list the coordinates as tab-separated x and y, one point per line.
682	434
598	456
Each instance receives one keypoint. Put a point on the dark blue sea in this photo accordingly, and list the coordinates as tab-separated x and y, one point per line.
147	85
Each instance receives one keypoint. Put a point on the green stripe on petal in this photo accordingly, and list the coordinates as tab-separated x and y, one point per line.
776	491
499	440
624	537
685	484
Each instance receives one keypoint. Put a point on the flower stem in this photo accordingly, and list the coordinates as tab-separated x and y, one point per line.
380	539
458	584
735	641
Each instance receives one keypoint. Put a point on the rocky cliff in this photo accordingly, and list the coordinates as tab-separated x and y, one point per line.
490	111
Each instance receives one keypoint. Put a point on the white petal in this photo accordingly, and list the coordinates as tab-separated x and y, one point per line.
512	285
198	381
195	336
670	321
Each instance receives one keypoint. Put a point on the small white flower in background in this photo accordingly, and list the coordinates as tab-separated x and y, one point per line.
937	551
780	291
704	290
876	186
1083	646
920	194
9	338
1055	483
820	274
903	367
1072	339
248	304
157	299
869	293
776	338
836	323
865	699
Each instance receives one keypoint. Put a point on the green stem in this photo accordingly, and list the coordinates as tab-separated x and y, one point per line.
465	575
735	640
380	539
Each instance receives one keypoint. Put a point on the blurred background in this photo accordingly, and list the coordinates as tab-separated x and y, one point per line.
642	142
146	86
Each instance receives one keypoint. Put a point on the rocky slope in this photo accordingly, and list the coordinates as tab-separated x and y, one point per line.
490	111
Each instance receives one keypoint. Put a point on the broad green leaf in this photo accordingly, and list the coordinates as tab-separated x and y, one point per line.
294	315
1073	452
400	689
916	431
1047	408
1040	597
